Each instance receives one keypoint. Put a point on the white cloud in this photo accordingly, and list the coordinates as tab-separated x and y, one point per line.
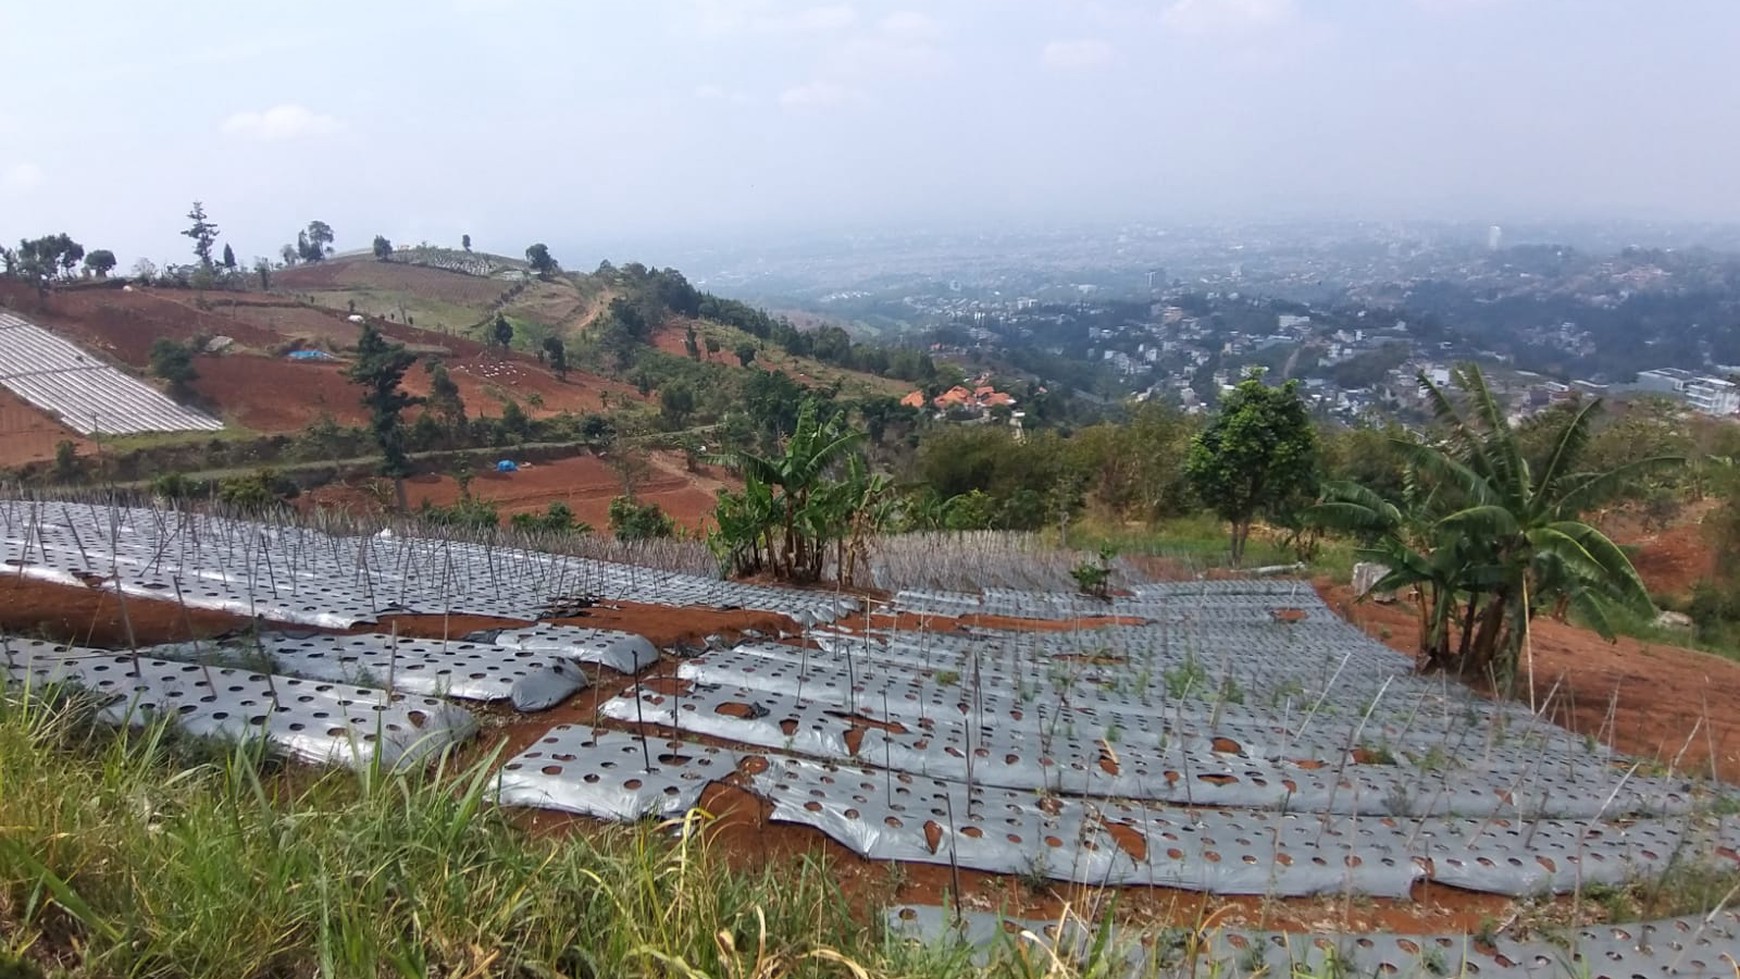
714	93
21	177
1227	16
1081	55
1455	6
764	16
818	95
815	20
281	122
910	25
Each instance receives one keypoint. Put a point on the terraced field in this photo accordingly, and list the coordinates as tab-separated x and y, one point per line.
1229	740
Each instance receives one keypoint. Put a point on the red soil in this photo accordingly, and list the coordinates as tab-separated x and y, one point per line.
273	396
89	617
585	483
1651	701
29	435
1670	561
123	325
269	394
662	625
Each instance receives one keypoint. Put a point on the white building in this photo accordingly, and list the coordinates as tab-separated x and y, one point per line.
1710	395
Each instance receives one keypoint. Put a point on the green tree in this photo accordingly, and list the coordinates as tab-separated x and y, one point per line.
444	399
42	260
1490	538
745	353
67	467
774	517
676	404
1258	456
538	257
229	258
263	269
558	355
173	362
379	369
101	262
203	233
631	521
383	249
320	240
690	344
465	242
713	347
503	332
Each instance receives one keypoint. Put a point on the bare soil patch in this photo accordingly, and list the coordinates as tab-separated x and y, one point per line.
1660	703
449	287
1670	560
27	434
585	483
269	395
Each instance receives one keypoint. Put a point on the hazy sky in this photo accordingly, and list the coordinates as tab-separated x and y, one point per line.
597	125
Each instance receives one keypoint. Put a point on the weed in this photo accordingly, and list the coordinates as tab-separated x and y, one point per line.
1036	874
1398	800
1231	692
1284	692
1615	902
1487	933
947	678
1185	679
1436	759
1253	960
1378	753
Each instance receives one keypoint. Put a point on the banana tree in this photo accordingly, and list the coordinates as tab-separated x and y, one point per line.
1401	535
1529	546
795	537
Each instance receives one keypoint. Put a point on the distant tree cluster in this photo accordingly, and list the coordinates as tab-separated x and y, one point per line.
41	261
313	244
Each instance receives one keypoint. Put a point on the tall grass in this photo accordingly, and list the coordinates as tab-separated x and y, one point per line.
150	854
143	854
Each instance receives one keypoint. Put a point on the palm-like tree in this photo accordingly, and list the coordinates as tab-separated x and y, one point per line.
1485	540
796	530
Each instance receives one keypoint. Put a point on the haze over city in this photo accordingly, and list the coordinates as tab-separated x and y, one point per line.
593	125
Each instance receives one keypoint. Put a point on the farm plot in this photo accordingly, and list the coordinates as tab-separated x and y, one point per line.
82	392
1229	738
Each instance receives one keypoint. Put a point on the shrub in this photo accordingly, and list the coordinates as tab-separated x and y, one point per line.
558	517
259	490
468	513
639	521
172	486
1094	580
68	468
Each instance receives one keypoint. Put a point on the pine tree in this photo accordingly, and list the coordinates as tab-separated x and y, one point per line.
203	233
379	368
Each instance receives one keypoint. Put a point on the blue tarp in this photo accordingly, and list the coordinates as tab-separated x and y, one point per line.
507	466
310	355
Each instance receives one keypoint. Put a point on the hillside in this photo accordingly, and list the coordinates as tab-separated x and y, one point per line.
252	386
460	294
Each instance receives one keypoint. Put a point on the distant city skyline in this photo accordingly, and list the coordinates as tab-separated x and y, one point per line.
607	129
